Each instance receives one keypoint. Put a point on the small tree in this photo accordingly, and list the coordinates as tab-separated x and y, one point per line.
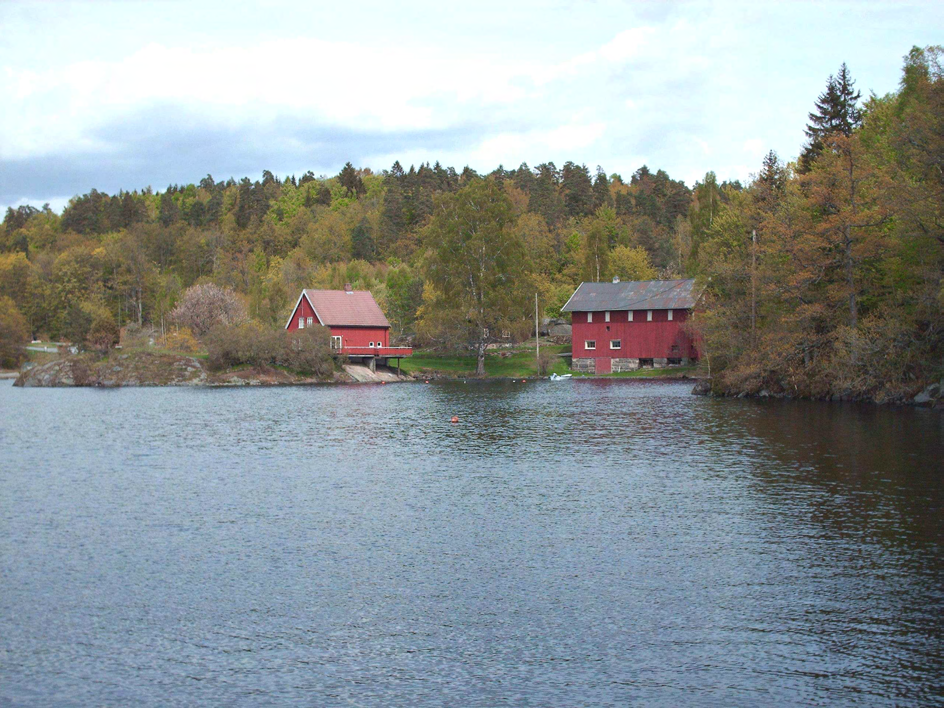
202	307
14	334
103	333
631	263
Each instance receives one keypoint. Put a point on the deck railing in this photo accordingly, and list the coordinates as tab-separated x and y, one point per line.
377	351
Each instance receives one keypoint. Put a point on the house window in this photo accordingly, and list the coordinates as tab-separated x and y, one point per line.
670	315
310	321
371	345
648	315
336	342
301	323
589	317
606	316
630	318
615	344
590	344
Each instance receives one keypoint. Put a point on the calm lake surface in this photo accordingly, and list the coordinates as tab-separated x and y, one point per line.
566	544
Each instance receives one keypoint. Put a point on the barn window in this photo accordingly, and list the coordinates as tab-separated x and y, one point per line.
648	315
336	342
630	318
670	315
301	323
310	321
590	344
589	317
371	345
606	316
615	344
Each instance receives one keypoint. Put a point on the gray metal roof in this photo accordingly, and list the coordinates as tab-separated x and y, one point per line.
633	295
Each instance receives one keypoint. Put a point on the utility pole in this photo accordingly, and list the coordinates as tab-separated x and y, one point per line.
754	284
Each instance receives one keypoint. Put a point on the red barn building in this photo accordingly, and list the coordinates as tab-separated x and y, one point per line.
358	327
625	326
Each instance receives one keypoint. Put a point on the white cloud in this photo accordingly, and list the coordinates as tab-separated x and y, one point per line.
679	86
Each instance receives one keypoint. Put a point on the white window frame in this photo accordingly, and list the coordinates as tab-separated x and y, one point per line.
589	317
670	315
311	321
617	342
336	342
301	323
630	318
590	344
370	344
648	315
606	316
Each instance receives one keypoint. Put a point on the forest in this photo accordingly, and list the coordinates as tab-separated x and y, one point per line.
822	277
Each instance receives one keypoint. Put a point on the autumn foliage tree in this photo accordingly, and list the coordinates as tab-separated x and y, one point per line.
14	334
828	283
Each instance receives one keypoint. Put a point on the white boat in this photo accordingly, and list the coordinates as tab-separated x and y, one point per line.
560	377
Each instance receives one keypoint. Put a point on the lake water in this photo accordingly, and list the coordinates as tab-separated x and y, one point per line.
566	544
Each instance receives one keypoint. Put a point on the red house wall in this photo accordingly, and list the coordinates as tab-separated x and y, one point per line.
639	339
361	336
350	336
305	310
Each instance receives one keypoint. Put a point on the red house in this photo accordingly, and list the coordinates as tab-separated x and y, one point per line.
358	327
625	326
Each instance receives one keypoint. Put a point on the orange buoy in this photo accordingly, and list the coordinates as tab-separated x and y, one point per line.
455	419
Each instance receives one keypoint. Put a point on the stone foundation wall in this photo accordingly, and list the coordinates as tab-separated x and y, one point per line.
589	366
620	365
584	366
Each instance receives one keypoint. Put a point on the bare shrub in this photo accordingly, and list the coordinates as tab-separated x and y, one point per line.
545	359
203	307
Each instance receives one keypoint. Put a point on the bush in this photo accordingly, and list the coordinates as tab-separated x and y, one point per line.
204	307
306	351
103	333
14	334
182	340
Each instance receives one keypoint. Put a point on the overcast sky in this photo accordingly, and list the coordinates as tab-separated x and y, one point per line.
121	95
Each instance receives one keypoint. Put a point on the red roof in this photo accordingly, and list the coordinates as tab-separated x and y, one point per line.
351	308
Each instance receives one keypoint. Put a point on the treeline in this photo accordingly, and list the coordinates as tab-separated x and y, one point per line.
134	253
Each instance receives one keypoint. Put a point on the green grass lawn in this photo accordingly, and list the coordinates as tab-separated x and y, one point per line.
515	363
519	362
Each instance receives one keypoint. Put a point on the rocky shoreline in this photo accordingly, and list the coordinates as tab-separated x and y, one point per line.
146	369
931	396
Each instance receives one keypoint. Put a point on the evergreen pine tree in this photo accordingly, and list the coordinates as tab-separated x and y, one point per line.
351	181
601	190
577	189
837	112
